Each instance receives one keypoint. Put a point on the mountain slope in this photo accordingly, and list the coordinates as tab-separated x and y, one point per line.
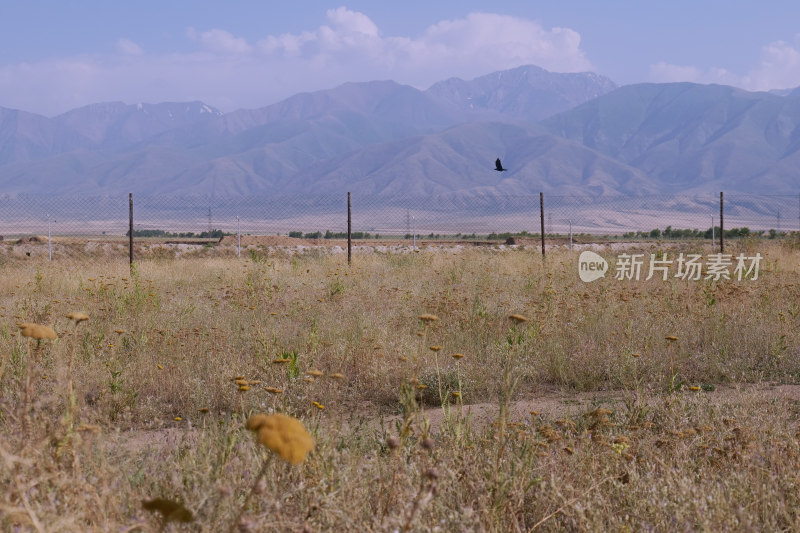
180	147
27	136
116	125
523	94
386	138
691	136
462	158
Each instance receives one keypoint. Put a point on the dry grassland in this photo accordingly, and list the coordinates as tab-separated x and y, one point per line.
617	406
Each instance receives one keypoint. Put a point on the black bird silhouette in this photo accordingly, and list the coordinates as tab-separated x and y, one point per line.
498	166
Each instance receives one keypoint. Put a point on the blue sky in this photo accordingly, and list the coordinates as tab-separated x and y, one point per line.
57	55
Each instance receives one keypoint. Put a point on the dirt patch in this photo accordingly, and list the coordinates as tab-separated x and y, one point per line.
268	240
554	405
33	239
548	405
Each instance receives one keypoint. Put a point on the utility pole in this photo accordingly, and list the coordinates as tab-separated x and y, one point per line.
570	235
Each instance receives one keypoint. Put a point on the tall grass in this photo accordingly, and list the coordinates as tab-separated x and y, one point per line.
140	401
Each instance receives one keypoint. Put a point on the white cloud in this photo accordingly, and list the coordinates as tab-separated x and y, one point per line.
220	41
128	47
506	41
229	72
778	68
352	22
468	47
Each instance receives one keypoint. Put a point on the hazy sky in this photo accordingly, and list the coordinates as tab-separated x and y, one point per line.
59	54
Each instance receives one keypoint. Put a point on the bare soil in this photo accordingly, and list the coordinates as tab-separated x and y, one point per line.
547	405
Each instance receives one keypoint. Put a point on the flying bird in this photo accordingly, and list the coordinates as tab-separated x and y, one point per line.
498	166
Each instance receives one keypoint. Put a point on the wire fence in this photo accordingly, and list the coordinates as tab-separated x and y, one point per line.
447	216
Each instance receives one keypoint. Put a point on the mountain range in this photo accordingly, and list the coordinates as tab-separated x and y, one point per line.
558	133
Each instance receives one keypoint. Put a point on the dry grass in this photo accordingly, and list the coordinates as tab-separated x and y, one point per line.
146	400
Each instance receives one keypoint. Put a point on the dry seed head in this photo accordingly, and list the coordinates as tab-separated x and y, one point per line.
671	338
281	360
170	511
315	373
282	434
694	388
318	405
336	375
177	419
428	318
36	331
78	317
518	319
458	355
244	388
432	473
435	348
273	390
600	412
241	382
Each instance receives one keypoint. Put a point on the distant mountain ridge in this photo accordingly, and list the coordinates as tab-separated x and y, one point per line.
693	137
560	133
527	94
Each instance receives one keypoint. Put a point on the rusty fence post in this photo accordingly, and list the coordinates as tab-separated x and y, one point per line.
721	225
541	216
130	229
349	231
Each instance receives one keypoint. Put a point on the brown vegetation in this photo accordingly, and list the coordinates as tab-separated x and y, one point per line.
615	405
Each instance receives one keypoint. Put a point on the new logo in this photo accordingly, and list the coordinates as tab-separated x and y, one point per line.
591	266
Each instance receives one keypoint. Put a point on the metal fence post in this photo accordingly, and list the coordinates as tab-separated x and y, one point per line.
349	230
130	229
238	239
541	216
49	239
721	226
